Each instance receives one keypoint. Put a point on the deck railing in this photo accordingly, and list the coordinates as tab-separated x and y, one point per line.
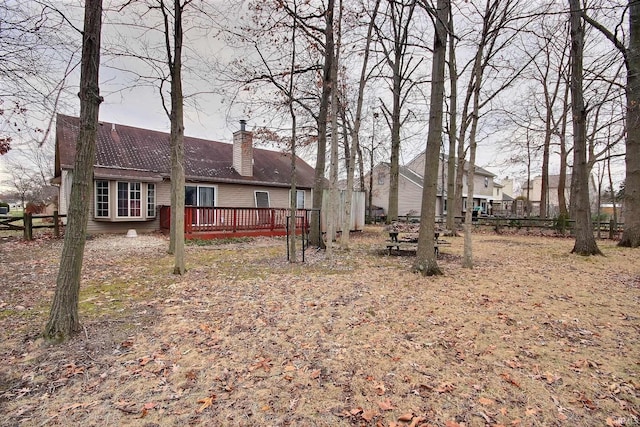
218	219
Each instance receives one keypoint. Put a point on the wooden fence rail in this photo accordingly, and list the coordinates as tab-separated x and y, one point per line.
26	223
610	227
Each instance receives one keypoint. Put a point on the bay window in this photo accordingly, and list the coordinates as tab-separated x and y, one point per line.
118	200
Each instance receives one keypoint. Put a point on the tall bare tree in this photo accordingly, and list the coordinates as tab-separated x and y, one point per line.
394	38
154	36
631	56
173	34
452	128
354	133
502	22
313	69
63	317
585	243
328	86
426	262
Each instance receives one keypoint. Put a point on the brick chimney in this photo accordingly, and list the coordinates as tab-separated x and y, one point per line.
243	150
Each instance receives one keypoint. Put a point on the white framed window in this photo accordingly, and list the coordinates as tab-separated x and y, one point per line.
151	200
200	195
102	199
381	176
300	196
300	199
129	199
486	182
262	199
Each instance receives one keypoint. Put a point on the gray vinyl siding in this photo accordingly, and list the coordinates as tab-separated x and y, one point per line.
103	227
380	192
227	195
409	197
163	193
409	193
243	196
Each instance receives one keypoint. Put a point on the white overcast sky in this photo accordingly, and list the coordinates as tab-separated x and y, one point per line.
136	105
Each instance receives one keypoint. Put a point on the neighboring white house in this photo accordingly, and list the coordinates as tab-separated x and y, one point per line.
533	191
503	197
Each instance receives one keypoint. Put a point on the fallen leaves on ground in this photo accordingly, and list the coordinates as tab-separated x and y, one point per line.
532	335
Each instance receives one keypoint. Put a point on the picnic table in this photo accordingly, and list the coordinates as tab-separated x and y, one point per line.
409	242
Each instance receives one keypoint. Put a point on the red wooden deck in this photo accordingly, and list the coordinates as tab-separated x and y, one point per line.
217	223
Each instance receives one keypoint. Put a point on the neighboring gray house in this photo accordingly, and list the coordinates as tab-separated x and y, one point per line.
410	185
132	175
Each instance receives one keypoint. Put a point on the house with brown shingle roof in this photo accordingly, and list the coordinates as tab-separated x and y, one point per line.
132	174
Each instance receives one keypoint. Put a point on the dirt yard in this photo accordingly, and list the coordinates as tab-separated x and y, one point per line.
532	336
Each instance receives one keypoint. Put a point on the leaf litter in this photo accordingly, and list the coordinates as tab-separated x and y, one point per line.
531	336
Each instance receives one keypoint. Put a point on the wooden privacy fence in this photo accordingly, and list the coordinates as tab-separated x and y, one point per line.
26	223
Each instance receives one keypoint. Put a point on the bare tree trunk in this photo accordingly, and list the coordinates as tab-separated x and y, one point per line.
400	18
467	258
613	197
293	201
527	203
348	193
176	137
426	262
453	129
63	317
601	172
315	235
333	202
562	178
544	192
585	243
361	174
394	166
371	166
631	54
355	134
631	235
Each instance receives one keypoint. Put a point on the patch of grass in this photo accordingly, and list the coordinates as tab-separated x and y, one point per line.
104	297
218	242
